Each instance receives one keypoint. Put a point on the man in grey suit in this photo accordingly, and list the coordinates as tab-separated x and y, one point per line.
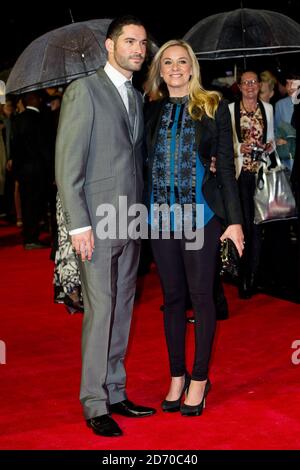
98	159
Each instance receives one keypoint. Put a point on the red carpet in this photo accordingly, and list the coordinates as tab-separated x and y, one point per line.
254	402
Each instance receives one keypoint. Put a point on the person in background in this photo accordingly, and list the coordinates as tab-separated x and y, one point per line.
285	132
66	279
3	161
31	164
185	126
66	276
253	131
8	112
17	198
295	181
268	82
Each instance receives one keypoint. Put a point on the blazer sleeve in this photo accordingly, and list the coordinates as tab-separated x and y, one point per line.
278	112
225	167
238	156
270	124
71	153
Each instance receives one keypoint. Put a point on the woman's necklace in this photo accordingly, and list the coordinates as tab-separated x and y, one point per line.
250	112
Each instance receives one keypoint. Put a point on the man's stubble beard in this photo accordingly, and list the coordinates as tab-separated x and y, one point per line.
127	65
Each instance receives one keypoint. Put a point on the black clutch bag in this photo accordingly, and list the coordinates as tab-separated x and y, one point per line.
230	258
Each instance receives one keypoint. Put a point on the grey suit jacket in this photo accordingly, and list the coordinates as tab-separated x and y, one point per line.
97	159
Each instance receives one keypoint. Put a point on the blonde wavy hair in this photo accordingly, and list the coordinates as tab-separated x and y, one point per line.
201	101
267	77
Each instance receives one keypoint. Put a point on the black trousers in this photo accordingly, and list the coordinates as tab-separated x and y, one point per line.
32	200
252	232
181	269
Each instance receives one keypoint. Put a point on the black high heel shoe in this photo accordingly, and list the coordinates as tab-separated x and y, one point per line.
172	406
73	306
196	410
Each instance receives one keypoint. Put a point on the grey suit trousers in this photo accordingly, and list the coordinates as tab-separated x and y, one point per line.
108	285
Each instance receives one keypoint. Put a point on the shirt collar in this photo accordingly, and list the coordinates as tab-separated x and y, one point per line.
115	76
33	108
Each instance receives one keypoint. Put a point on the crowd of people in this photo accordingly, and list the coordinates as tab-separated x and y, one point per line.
183	146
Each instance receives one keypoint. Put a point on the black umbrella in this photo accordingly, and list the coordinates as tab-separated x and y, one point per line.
244	33
60	56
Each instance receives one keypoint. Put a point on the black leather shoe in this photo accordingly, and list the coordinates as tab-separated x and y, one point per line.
245	289
58	295
104	426
73	306
129	409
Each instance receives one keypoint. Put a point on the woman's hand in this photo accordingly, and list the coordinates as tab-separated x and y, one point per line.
235	233
269	147
246	148
281	141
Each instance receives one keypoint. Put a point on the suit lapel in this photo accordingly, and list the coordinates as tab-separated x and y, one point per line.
105	80
265	123
237	119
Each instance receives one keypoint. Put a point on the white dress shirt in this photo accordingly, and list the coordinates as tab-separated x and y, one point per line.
33	108
118	80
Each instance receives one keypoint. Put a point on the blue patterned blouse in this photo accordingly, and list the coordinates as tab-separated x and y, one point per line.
177	172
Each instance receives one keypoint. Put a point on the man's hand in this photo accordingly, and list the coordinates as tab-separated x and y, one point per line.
83	243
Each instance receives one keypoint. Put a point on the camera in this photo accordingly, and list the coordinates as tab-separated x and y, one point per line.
257	153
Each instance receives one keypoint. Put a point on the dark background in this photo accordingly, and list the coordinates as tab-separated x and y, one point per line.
22	23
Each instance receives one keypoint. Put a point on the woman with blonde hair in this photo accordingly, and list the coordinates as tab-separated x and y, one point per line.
185	126
267	86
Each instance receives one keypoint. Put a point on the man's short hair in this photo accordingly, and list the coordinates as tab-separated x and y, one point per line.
116	26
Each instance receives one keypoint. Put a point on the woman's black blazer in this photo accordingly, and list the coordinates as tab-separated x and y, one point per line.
214	138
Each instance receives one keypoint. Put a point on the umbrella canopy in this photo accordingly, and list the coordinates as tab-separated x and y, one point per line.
244	32
60	56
